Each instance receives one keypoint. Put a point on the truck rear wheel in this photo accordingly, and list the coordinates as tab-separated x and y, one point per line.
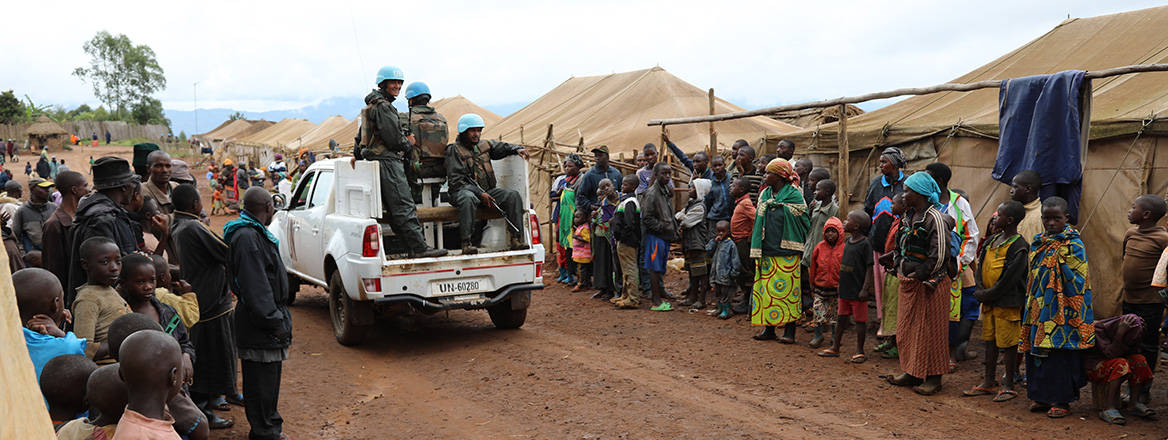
504	317
343	311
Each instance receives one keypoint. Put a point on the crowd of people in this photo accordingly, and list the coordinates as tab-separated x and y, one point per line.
764	236
137	315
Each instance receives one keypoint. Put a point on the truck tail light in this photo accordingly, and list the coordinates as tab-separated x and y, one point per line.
534	228
538	270
372	285
372	242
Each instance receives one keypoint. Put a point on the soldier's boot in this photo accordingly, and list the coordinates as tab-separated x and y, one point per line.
469	249
429	253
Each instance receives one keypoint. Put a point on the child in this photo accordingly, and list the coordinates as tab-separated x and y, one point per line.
582	250
724	267
603	253
40	301
825	276
855	285
64	387
97	303
137	288
626	229
563	193
1057	320
28	167
218	206
1001	289
821	207
107	399
1115	359
185	302
1142	247
741	228
891	284
151	367
694	238
660	230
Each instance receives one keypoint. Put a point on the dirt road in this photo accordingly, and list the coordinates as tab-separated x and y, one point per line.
580	369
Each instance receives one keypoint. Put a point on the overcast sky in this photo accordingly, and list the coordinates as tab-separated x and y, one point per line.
258	56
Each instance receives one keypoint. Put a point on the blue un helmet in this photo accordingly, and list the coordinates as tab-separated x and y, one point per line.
468	121
390	72
417	88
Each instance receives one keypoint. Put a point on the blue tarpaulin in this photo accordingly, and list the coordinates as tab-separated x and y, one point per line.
1041	124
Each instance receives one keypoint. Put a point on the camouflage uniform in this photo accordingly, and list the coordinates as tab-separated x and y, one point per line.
429	129
382	139
469	173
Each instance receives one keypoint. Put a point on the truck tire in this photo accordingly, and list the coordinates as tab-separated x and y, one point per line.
293	287
342	310
504	318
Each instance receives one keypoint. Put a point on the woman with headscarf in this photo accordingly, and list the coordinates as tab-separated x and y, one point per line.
780	229
923	296
563	197
878	205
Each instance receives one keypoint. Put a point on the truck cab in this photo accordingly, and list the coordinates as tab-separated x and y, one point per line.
332	233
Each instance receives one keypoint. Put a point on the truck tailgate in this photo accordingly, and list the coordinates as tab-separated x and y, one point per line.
465	278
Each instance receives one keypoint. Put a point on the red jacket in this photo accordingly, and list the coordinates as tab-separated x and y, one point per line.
826	258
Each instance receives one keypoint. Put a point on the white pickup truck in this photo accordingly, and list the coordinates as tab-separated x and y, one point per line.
331	236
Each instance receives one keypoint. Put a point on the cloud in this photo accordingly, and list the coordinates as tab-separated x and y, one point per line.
259	56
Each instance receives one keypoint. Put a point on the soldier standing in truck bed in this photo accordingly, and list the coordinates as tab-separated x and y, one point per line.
382	139
429	130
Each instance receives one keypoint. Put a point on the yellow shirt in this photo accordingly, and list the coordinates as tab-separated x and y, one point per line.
187	305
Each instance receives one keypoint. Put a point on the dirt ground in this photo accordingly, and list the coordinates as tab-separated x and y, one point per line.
580	369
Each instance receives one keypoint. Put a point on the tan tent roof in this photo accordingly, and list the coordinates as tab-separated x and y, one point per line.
279	134
320	133
45	127
1119	103
343	135
454	107
614	109
231	130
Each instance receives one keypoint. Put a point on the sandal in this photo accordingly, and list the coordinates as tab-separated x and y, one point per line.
891	353
663	307
1142	411
1005	395
828	353
952	367
880	348
858	358
977	391
1112	416
1038	407
1057	413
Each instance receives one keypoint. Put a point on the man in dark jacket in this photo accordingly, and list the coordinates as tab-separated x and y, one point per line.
591	179
204	265
58	228
29	221
263	324
380	138
103	214
471	181
43	169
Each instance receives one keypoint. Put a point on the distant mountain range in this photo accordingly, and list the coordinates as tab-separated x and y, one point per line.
184	120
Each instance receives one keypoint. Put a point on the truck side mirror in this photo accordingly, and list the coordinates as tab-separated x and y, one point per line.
279	201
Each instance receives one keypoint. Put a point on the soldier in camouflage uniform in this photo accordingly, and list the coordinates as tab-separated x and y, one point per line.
429	130
471	181
381	139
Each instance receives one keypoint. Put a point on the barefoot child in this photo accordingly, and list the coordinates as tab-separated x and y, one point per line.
694	238
151	367
825	276
582	250
41	304
1001	289
626	228
855	285
1058	320
97	303
63	387
724	267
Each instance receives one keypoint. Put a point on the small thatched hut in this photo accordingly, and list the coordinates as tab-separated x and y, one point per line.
46	132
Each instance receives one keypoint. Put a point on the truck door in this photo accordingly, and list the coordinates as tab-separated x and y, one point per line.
296	223
311	234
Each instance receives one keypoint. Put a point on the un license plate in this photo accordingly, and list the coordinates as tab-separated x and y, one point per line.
460	287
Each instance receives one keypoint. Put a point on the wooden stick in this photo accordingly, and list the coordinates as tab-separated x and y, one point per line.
845	179
948	87
713	149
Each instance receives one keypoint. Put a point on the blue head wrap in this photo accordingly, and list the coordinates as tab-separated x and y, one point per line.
922	183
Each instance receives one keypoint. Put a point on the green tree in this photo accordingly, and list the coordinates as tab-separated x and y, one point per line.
80	110
149	111
11	109
235	116
121	73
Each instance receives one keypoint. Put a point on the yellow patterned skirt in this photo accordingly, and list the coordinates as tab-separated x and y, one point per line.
776	296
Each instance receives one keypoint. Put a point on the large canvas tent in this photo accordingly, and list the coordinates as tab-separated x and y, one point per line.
320	133
454	107
613	109
961	129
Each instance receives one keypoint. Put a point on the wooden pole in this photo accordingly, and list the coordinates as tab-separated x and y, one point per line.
845	178
663	150
521	141
950	87
713	135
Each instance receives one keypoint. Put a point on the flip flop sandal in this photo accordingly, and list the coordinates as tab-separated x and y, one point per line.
1112	416
829	353
977	391
1005	395
663	307
1142	411
1038	407
1057	413
952	367
858	359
